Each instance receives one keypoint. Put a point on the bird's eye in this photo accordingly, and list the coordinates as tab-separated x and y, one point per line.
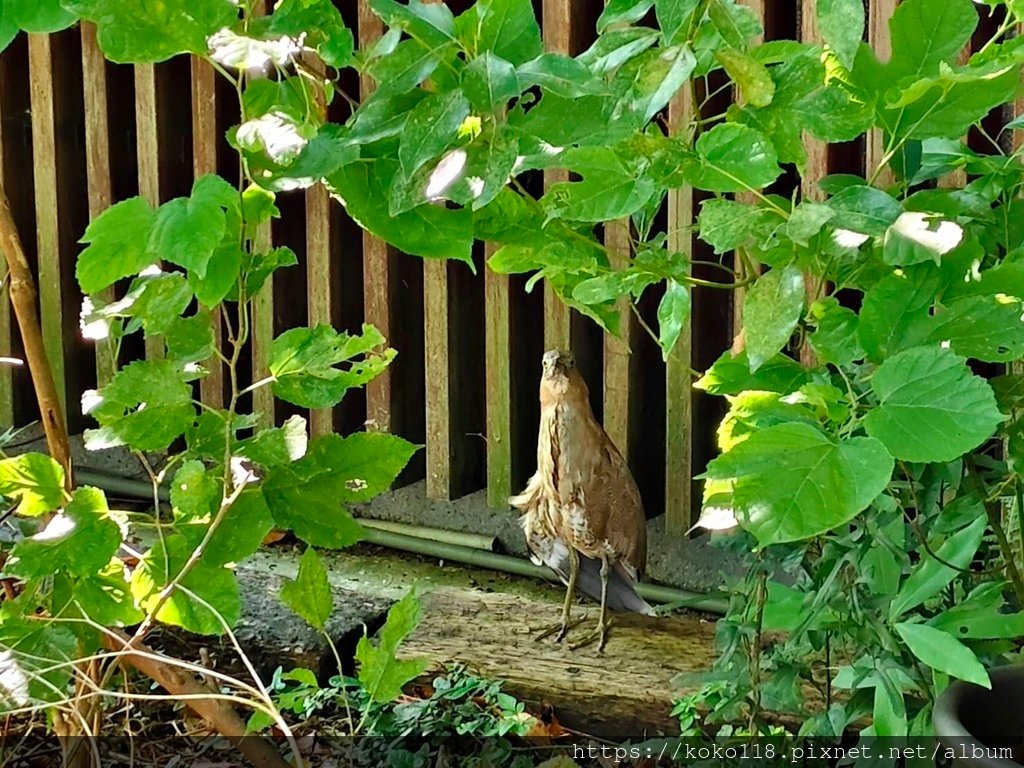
570	362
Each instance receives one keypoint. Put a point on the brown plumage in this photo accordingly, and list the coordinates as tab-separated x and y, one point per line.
583	516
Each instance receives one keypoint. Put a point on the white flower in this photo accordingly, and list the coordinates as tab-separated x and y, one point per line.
275	133
917	227
240	52
446	173
847	239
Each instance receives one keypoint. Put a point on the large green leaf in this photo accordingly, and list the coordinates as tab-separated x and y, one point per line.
508	28
142	31
80	540
430	128
617	46
116	242
835	334
146	405
42	16
933	573
612	187
36	480
895	313
771	310
309	594
673	315
211	583
926	33
674	17
985	328
792	482
864	209
841	23
34	665
732	158
306	496
732	374
560	75
728	224
381	672
320	22
406	67
431	23
943	652
752	78
489	82
931	407
645	85
303	362
981	615
188	230
428	230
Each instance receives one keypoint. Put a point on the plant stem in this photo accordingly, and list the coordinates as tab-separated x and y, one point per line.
994	519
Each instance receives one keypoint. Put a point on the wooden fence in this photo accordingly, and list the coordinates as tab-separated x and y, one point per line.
78	133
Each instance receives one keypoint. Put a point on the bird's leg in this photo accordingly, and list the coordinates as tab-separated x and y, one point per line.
600	633
570	593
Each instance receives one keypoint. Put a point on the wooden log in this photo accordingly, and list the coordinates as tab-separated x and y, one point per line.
319	280
679	501
498	373
619	363
556	24
52	306
6	329
204	161
879	38
378	282
97	163
147	128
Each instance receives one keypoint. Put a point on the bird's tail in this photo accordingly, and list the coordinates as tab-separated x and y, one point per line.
622	594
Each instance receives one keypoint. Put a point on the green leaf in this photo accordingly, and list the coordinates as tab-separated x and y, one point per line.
731	374
303	362
560	75
751	77
981	616
498	164
36	480
864	209
309	595
427	230
159	300
35	663
146	405
985	328
187	231
432	23
934	573
732	158
210	583
674	16
116	242
79	541
489	82
615	47
407	66
735	23
673	314
841	24
141	31
189	339
382	674
792	482
306	496
612	187
321	23
647	84
222	272
931	407
926	33
889	713
943	652
279	445
895	313
916	237
508	28
41	16
835	335
728	224
196	497
771	310
106	598
622	12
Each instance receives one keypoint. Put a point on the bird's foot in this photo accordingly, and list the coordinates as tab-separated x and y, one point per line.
560	630
599	635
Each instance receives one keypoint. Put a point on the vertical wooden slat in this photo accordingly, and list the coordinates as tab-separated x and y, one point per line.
498	364
377	282
204	161
618	384
6	345
148	147
437	367
44	171
817	168
740	294
97	164
319	285
879	13
557	28
678	383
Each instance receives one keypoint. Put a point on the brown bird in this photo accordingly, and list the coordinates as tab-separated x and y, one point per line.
583	515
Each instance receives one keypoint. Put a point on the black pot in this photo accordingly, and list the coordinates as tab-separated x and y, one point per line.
970	720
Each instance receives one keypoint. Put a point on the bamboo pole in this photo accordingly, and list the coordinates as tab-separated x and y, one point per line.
23	298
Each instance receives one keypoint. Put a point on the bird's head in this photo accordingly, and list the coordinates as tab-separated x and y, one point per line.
559	378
